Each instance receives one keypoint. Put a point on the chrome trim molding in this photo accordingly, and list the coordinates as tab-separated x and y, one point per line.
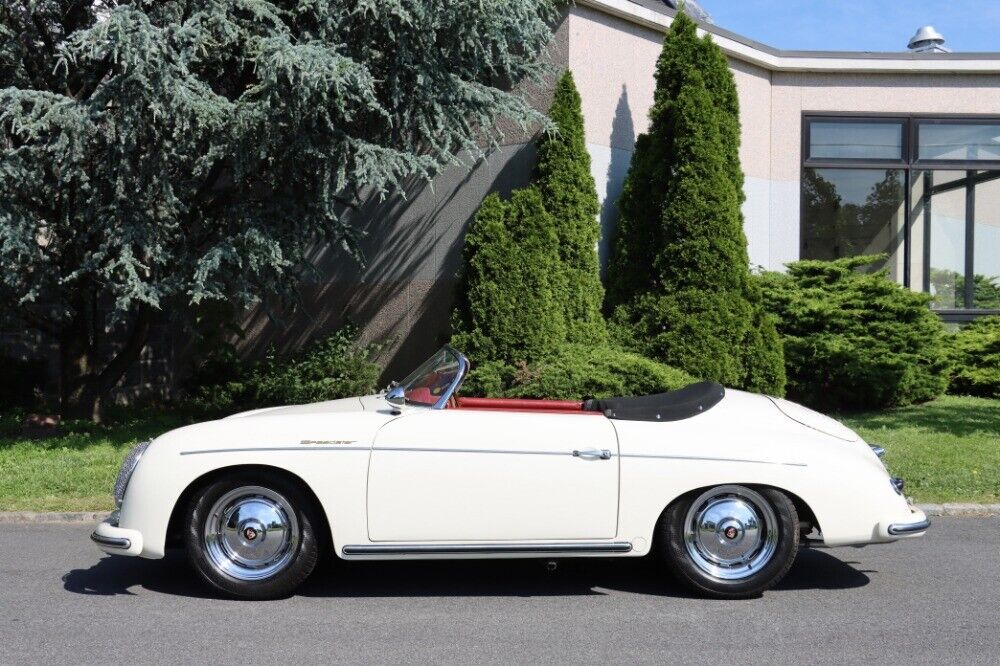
523	452
707	459
488	549
111	542
877	450
897	529
277	448
428	449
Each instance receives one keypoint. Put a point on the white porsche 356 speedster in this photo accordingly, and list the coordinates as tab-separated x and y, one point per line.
723	485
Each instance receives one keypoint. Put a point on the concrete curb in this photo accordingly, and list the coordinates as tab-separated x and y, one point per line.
960	509
52	517
8	517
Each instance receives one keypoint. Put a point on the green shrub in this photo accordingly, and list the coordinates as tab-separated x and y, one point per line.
681	289
512	293
975	353
855	340
575	372
334	367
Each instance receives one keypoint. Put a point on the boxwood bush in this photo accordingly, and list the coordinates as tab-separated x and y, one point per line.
575	372
855	340
975	352
335	367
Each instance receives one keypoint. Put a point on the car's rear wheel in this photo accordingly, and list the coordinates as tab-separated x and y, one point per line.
730	541
252	536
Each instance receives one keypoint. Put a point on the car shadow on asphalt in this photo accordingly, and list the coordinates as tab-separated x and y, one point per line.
813	570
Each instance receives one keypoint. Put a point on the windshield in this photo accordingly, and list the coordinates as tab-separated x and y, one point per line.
436	378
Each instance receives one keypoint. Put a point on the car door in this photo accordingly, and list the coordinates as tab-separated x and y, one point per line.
480	475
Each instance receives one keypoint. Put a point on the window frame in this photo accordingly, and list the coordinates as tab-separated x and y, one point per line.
910	165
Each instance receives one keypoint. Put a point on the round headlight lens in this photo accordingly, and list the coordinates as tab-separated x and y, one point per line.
128	466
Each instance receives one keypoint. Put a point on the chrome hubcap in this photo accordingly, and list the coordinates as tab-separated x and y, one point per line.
730	532
251	533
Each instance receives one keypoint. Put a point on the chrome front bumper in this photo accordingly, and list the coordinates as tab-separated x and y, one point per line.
116	540
909	529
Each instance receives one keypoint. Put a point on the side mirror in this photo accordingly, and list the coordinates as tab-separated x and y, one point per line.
396	396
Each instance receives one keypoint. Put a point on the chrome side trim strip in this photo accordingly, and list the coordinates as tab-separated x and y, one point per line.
709	459
111	542
403	449
897	529
521	452
251	449
488	549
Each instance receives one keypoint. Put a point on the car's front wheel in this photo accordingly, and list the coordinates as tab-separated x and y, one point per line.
252	536
730	541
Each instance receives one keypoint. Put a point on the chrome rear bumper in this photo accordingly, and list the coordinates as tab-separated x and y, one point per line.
904	529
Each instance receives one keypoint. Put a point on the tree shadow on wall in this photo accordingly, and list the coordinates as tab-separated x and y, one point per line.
412	245
622	134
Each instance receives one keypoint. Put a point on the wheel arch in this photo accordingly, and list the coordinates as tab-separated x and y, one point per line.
805	513
175	525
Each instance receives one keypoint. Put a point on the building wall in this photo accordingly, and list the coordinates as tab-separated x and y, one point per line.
614	59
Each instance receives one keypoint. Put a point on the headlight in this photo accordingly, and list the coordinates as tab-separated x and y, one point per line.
128	466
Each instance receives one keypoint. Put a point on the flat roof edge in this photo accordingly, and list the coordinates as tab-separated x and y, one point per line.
746	49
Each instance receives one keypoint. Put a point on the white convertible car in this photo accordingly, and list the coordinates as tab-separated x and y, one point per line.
723	485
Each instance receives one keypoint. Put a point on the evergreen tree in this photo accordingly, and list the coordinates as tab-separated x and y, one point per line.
562	175
698	309
637	237
156	154
511	302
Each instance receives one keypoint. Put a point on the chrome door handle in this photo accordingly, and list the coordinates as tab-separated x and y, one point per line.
593	454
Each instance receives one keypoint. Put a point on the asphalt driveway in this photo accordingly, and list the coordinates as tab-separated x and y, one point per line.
929	601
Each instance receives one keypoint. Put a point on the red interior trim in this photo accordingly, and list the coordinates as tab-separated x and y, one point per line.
522	405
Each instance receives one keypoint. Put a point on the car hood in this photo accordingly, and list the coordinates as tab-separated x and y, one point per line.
355	404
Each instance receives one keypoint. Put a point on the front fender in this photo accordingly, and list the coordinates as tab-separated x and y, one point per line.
327	452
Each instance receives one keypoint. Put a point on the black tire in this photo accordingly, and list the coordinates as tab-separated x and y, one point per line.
689	552
250	495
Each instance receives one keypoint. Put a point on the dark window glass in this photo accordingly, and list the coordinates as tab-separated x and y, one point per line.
850	212
856	140
959	141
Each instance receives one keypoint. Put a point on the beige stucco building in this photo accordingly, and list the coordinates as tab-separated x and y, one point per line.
900	124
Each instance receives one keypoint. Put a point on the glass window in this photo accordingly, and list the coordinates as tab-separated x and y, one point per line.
850	212
986	243
856	140
946	206
433	379
860	174
959	141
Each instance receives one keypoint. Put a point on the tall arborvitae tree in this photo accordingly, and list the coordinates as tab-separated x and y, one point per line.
563	177
699	308
512	293
156	154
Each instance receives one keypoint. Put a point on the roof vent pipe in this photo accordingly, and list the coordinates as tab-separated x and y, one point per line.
928	40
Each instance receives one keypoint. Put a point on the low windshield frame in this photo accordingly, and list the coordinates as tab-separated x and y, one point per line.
440	361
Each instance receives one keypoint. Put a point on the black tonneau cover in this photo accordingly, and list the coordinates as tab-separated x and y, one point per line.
671	406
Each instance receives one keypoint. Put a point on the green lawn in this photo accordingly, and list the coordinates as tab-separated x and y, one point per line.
947	450
75	471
